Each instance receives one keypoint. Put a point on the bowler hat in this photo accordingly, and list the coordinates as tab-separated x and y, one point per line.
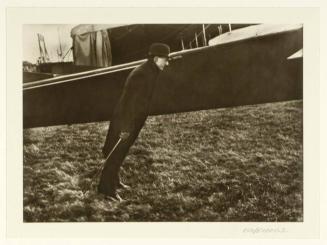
159	49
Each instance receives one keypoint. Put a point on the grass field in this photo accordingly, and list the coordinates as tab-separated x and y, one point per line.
234	164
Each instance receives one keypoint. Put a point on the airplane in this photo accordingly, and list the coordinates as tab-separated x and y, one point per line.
253	64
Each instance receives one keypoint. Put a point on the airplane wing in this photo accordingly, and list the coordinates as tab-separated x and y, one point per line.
244	71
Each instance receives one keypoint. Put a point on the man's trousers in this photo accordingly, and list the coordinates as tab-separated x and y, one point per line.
110	174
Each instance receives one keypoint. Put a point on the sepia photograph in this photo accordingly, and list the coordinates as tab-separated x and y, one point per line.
162	122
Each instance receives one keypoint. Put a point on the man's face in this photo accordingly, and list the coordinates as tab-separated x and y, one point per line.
161	62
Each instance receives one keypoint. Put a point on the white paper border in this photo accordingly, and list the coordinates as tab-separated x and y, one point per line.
17	17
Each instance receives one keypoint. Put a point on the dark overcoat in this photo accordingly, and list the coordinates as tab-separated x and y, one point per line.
129	116
133	105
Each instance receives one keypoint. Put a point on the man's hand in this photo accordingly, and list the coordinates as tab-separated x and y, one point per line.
124	135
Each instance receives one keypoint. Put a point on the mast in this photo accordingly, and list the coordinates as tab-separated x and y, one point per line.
44	56
59	52
41	58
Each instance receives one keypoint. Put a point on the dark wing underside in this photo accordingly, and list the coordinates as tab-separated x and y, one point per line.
248	71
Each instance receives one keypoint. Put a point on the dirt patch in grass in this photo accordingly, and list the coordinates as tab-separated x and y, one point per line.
234	164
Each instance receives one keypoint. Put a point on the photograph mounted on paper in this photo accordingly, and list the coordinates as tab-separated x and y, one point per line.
163	122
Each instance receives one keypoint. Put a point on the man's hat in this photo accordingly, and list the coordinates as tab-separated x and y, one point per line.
159	49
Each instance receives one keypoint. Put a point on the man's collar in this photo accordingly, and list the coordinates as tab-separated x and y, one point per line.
153	65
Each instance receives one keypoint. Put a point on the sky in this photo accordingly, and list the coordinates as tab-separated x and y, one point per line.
51	36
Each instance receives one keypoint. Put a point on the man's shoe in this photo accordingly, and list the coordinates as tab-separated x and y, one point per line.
109	193
115	198
123	186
